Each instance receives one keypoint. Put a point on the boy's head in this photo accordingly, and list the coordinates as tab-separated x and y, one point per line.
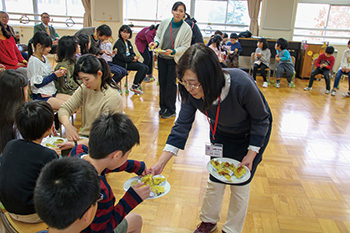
66	193
34	119
233	38
329	50
111	133
103	32
225	37
281	44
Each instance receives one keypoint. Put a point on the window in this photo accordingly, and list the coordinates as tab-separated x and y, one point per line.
63	12
322	22
211	15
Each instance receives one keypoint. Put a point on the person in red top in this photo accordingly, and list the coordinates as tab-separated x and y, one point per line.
142	39
324	64
10	56
111	140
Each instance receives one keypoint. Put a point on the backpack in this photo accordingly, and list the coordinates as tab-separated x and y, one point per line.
246	34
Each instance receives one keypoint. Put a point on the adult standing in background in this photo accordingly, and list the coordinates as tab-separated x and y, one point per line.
142	40
240	121
196	32
174	37
45	27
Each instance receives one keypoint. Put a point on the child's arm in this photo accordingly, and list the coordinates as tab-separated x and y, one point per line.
331	63
239	47
135	166
121	52
46	80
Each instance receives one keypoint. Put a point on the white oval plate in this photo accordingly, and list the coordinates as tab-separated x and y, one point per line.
52	141
234	180
166	185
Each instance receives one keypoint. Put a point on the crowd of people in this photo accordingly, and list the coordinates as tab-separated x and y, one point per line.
87	76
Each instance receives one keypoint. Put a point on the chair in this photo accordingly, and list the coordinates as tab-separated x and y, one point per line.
12	226
251	68
275	69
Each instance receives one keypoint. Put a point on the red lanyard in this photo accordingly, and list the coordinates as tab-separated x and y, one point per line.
213	131
171	33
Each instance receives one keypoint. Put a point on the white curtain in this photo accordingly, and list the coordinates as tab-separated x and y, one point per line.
87	14
253	10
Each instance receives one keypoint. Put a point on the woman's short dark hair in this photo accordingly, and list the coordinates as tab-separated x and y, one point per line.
203	61
33	119
12	96
104	30
39	38
177	4
282	42
265	44
65	189
66	48
84	41
112	132
125	28
90	64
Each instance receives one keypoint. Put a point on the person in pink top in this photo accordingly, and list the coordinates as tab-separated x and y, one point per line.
142	40
217	49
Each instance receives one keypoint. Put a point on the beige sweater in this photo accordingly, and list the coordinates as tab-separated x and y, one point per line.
183	38
92	103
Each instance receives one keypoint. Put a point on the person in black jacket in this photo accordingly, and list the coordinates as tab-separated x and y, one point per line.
127	58
196	32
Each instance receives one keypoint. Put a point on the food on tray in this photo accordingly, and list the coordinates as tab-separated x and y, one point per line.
147	179
228	165
225	172
239	171
158	180
216	164
50	145
157	189
154	182
58	141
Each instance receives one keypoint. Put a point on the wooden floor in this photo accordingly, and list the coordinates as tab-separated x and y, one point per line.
302	184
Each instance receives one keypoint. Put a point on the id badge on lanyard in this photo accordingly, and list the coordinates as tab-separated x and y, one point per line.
216	149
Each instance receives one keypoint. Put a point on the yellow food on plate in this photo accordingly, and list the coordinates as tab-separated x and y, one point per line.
228	165
50	145
216	164
239	171
158	180
157	189
58	141
147	179
225	173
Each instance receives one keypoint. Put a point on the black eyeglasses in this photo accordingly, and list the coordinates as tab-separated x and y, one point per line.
100	198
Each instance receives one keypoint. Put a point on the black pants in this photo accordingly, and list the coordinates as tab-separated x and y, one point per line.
141	69
148	60
262	67
325	72
167	84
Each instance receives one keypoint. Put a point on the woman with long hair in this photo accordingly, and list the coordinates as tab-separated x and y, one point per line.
240	126
13	93
174	37
97	94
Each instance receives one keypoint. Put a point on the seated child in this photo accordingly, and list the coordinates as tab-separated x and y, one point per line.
22	160
262	59
67	49
236	49
343	69
127	58
85	44
117	71
285	65
57	200
216	47
324	64
111	139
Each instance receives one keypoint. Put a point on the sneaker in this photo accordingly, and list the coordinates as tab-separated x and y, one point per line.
307	88
167	115
333	92
152	79
136	90
265	84
290	84
205	227
277	85
327	91
146	79
347	94
161	112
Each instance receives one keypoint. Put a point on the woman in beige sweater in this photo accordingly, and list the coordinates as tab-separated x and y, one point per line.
96	95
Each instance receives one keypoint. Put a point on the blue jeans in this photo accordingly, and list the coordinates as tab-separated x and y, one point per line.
337	79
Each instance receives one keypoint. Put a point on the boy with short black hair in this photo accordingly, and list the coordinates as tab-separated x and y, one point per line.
236	49
324	64
22	160
111	139
66	195
285	65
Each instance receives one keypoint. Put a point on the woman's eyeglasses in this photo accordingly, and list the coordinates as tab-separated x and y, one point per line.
188	85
